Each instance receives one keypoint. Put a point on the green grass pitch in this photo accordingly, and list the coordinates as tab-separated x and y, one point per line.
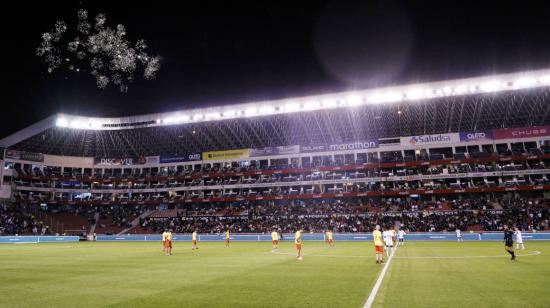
422	274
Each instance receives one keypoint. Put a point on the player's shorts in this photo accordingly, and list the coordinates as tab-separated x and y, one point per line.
298	246
401	239
509	244
519	242
330	240
379	249
275	242
167	244
227	240
194	242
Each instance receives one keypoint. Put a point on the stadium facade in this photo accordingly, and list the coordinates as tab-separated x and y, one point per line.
477	137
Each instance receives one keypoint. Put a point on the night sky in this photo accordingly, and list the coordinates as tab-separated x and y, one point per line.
226	52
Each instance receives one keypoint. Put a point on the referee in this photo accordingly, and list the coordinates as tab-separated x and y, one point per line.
509	242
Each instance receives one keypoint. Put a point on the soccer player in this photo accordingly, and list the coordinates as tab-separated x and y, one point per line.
458	235
227	238
164	234
194	240
298	244
519	239
401	237
388	239
167	240
274	240
378	245
509	242
330	238
393	236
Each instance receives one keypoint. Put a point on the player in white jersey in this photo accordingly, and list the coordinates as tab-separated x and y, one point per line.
401	237
519	239
458	235
388	241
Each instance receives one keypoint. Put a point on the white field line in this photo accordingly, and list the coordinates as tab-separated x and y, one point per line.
374	291
532	253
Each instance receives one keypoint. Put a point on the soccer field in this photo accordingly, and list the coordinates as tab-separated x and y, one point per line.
422	274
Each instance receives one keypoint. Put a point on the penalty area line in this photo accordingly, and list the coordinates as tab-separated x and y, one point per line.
374	291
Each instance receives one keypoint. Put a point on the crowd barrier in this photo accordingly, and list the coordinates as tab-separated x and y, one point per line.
38	239
320	237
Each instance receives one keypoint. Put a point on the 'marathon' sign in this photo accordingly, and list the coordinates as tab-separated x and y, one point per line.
344	146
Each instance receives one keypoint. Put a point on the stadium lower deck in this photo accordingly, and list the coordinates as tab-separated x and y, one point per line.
421	274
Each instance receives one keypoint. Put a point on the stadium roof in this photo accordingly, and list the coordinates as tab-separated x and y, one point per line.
506	100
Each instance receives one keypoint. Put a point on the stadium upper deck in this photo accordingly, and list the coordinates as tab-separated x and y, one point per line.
480	135
474	104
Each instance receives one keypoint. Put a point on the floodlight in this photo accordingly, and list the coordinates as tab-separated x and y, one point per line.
250	111
491	86
525	82
415	94
354	100
545	79
62	122
292	107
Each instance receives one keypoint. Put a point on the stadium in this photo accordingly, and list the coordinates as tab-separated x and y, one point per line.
325	154
428	158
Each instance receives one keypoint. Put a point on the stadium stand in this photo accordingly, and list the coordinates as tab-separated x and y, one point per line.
342	161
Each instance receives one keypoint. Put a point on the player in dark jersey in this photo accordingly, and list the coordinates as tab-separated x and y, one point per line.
509	242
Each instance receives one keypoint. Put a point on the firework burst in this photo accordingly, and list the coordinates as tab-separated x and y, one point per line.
102	51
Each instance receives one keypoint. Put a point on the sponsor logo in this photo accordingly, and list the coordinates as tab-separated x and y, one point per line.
116	161
359	145
313	148
231	154
522	132
414	140
529	132
345	146
473	136
166	159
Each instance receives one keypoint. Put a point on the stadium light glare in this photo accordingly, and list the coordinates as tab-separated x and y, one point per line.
415	94
309	106
491	86
405	93
329	103
251	111
266	110
545	79
76	124
354	100
461	89
525	82
170	120
292	107
94	125
392	97
61	122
